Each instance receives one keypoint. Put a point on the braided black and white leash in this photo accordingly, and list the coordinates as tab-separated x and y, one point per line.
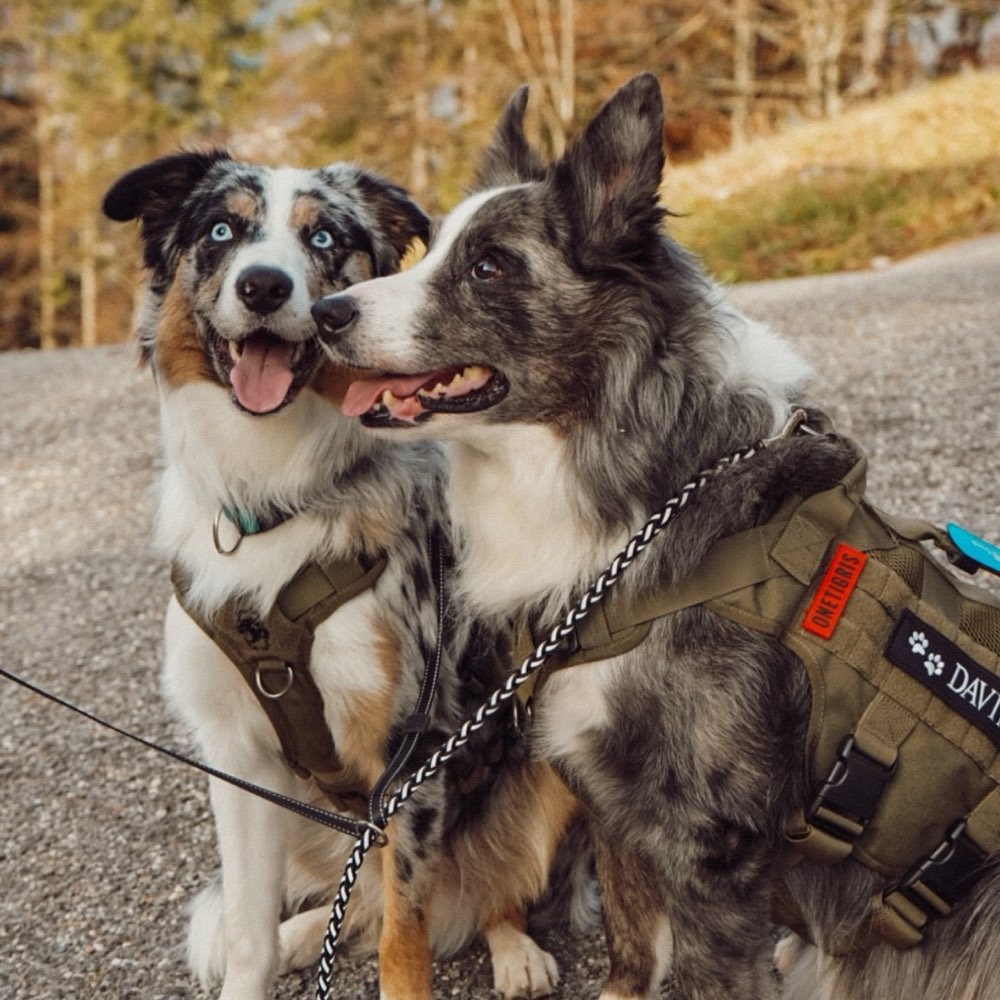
545	649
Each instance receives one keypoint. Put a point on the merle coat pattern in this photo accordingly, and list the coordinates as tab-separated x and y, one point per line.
581	368
235	254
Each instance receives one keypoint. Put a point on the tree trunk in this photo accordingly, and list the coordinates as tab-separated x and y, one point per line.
48	279
544	82
874	38
88	251
567	60
419	173
835	39
743	70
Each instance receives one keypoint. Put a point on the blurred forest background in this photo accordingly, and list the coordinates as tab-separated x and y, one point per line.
412	88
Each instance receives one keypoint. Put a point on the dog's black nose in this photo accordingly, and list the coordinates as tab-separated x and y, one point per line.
334	314
263	289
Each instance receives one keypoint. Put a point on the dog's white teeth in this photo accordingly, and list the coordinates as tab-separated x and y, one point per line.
388	398
436	393
235	350
297	354
471	377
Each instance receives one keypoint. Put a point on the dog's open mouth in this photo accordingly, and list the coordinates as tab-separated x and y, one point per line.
404	400
265	371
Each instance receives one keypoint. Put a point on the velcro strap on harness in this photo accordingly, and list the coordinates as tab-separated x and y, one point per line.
272	655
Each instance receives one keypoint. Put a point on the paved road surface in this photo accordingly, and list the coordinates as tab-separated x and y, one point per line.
102	843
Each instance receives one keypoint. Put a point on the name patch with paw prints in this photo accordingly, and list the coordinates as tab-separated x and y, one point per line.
959	681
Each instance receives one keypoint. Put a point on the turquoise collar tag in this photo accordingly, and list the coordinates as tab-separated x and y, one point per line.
244	520
982	553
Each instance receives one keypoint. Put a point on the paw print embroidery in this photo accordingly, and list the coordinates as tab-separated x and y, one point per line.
934	665
918	643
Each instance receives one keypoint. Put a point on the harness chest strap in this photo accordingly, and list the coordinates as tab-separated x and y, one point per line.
884	735
272	655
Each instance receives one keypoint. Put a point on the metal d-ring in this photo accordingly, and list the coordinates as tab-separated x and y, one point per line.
378	833
217	541
286	685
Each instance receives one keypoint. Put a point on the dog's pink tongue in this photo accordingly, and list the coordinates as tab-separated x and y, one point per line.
263	375
366	392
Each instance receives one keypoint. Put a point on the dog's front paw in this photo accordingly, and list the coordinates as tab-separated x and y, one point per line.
786	952
521	969
301	940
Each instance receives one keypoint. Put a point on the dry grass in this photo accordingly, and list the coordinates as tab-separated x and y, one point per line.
882	180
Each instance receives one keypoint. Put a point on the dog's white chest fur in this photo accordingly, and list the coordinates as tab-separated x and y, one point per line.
237	468
517	519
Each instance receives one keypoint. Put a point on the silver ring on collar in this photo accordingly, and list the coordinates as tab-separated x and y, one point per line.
216	538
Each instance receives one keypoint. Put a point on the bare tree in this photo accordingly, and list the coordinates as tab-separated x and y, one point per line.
48	276
744	56
548	66
874	37
419	172
822	28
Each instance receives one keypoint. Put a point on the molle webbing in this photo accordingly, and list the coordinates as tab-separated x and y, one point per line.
915	793
904	783
272	655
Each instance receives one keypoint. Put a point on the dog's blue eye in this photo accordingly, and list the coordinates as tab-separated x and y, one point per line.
487	269
322	239
221	232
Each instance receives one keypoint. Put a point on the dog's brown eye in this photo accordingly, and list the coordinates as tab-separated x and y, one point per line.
487	269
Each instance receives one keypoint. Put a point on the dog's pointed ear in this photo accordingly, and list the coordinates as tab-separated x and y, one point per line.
613	172
508	158
154	193
399	220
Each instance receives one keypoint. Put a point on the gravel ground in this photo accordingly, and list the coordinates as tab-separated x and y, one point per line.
101	842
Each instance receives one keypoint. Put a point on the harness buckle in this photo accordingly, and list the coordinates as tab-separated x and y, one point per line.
931	889
850	793
947	873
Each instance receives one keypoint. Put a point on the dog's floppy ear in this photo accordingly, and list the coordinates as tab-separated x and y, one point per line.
613	172
398	221
154	193
509	159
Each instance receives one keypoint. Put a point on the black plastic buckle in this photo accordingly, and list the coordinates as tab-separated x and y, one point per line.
852	788
950	870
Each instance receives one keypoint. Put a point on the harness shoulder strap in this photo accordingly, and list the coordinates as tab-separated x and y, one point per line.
272	655
790	547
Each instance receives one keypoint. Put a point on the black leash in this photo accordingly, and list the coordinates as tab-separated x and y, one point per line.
414	727
343	824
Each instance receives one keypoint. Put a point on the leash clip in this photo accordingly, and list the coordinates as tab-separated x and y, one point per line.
380	837
796	422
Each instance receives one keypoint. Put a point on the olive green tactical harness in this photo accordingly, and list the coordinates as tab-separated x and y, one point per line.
272	656
903	743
